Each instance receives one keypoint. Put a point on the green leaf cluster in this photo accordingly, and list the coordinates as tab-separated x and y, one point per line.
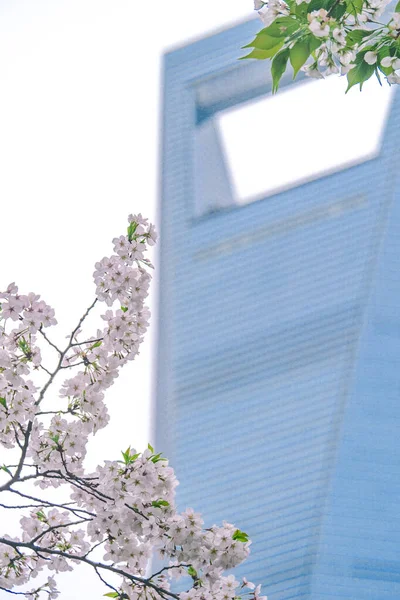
240	536
159	503
286	39
271	39
192	572
362	71
128	457
155	458
24	346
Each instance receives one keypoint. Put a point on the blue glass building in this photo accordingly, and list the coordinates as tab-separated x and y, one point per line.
278	382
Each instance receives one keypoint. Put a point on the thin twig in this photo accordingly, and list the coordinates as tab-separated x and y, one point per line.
87	342
48	341
66	505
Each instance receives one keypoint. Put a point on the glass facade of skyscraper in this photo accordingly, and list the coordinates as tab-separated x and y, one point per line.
278	377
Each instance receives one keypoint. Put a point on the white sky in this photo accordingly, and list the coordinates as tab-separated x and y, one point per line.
79	145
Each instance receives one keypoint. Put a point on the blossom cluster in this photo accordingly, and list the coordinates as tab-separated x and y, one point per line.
122	514
19	354
322	37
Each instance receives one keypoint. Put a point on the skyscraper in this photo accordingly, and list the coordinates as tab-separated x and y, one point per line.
278	384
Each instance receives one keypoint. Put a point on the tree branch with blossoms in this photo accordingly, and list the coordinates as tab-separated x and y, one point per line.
116	519
321	37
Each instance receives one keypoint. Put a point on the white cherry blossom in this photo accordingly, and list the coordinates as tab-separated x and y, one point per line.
125	509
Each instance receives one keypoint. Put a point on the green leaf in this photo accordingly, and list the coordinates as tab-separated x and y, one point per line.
96	345
356	36
317	4
3	402
314	43
131	230
7	470
124	308
112	595
192	572
126	455
299	54
282	27
150	447
278	67
159	503
263	54
382	53
23	345
301	10
156	458
263	41
240	536
397	9
359	73
338	10
354	7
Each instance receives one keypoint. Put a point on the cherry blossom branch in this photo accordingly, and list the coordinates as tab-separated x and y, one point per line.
88	561
41	396
102	503
56	527
94	547
81	320
46	503
17	473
